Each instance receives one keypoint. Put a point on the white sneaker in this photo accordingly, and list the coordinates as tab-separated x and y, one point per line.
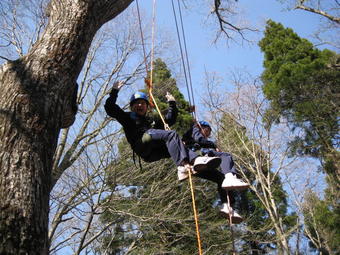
182	173
235	217
205	163
232	182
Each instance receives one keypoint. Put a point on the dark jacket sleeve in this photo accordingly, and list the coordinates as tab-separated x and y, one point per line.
200	139
172	113
114	111
170	117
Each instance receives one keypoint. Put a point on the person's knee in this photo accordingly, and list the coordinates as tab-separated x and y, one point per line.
146	138
172	134
224	154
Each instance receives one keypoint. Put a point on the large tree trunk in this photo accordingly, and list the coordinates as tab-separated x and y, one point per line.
36	94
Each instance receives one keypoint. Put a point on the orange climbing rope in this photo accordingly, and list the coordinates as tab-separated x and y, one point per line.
142	37
149	83
187	75
195	215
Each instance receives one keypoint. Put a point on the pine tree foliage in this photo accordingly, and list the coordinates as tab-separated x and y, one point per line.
302	84
163	83
322	224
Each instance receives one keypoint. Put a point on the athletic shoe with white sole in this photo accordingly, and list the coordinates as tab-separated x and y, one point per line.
183	172
232	182
205	163
227	210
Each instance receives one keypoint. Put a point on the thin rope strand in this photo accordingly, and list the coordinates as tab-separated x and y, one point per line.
150	84
186	52
195	215
190	104
231	224
181	51
153	39
142	37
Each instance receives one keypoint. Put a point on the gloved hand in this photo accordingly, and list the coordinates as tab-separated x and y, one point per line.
170	97
196	147
116	87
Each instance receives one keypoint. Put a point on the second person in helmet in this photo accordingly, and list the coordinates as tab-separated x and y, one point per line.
196	139
148	137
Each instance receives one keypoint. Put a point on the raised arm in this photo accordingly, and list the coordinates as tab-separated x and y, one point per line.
111	108
172	113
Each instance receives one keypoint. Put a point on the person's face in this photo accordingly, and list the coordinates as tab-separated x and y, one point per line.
139	106
206	131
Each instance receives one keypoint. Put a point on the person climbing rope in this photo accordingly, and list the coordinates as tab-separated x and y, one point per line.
196	139
147	137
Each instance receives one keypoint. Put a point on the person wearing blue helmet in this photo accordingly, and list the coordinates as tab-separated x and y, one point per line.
196	139
147	135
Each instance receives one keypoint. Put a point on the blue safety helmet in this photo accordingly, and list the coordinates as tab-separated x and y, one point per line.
204	123
138	95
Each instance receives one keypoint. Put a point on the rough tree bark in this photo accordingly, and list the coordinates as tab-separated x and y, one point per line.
35	100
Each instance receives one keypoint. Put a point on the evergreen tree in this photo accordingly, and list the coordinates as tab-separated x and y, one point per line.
302	84
322	223
163	83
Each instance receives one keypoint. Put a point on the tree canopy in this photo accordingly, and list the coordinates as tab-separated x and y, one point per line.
302	84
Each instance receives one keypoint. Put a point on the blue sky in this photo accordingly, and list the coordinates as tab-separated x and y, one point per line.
222	58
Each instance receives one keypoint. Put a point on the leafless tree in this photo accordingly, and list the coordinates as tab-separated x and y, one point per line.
225	13
224	17
21	25
329	12
34	88
88	134
246	106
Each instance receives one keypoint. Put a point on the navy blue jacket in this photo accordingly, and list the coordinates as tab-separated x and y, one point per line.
134	125
194	139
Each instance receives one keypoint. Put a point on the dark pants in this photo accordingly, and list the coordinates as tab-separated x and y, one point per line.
227	164
214	175
165	144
